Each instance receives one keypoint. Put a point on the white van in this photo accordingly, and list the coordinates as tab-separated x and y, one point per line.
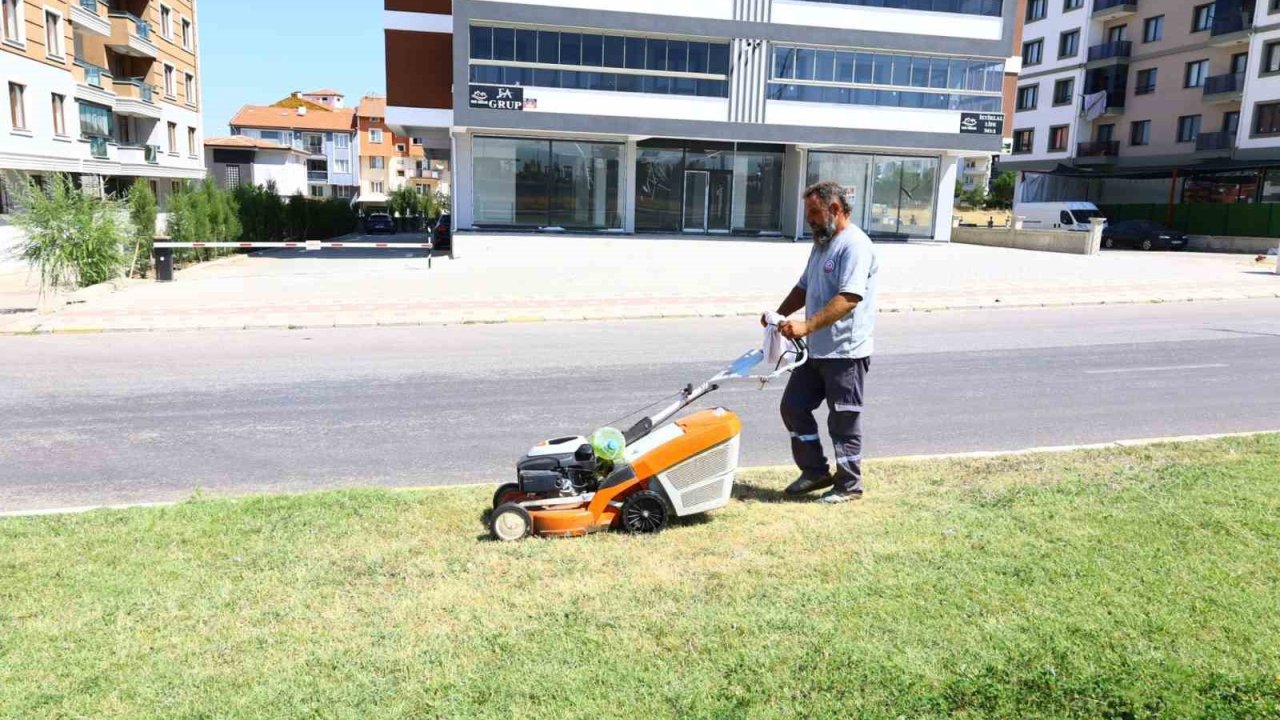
1057	215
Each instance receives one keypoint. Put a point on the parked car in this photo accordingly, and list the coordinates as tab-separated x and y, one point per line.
379	223
1143	234
442	235
1057	215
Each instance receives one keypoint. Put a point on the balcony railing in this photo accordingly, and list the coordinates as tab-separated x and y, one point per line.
152	154
141	27
98	147
89	6
1117	5
1229	83
93	74
1098	148
1231	22
317	176
1223	140
315	148
991	8
145	91
1106	51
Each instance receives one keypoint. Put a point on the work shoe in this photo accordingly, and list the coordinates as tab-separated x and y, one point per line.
835	497
808	483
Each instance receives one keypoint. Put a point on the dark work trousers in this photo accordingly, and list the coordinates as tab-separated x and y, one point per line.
839	383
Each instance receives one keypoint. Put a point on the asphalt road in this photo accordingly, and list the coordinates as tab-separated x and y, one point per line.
104	419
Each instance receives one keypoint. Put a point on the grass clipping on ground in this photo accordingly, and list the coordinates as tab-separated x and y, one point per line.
1122	583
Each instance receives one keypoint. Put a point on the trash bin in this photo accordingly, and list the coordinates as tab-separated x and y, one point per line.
164	264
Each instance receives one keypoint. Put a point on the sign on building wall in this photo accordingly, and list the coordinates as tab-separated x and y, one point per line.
972	123
497	98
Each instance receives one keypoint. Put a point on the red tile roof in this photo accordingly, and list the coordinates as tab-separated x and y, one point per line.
257	116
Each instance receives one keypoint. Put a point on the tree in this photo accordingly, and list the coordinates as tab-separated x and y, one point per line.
73	238
404	203
1002	191
142	211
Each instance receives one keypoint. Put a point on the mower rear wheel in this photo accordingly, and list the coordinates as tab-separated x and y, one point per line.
506	492
510	522
645	512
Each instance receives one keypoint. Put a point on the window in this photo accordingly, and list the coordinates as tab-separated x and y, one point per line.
186	33
1058	137
1202	18
170	88
1023	140
191	141
1063	90
1140	133
12	11
1069	44
417	142
1117	34
1153	29
1028	97
17	107
1271	57
1231	121
155	187
175	186
173	138
375	136
59	115
375	187
342	142
1069	5
1035	10
342	166
317	191
400	147
1188	128
1105	133
1032	52
231	176
1146	83
189	87
1195	74
53	39
270	135
96	121
166	22
377	162
1266	119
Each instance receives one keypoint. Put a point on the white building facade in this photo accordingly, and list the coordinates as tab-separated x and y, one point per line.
708	117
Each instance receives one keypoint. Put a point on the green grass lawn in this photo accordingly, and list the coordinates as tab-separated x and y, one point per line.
1127	583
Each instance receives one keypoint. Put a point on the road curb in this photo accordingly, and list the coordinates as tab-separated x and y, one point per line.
976	455
571	316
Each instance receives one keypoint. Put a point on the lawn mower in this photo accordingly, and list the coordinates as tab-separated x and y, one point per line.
639	479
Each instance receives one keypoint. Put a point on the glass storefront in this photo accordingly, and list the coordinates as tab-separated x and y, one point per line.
706	187
548	183
895	194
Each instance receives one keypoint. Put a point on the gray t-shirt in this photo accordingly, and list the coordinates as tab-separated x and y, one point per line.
848	264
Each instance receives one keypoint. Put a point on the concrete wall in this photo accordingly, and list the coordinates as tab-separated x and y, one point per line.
1226	244
1073	243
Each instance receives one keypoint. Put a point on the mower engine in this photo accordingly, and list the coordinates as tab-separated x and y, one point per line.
562	467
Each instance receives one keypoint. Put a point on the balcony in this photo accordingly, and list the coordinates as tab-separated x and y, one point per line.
131	35
94	84
1113	9
314	148
1231	27
1223	141
90	16
134	96
1104	150
318	176
1110	52
1115	102
1224	88
98	147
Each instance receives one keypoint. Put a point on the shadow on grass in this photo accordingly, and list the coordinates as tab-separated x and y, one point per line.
747	491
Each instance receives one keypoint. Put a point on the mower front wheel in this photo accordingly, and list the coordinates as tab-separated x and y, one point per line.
510	522
506	492
645	512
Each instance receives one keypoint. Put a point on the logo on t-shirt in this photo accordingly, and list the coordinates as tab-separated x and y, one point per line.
829	266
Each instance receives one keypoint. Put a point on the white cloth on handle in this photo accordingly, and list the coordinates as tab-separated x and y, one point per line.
774	343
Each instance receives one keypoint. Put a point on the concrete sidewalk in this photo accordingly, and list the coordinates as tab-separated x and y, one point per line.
514	278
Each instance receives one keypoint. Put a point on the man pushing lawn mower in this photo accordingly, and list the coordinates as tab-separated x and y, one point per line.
838	292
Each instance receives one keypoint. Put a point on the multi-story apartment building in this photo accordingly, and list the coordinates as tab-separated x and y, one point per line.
324	130
389	161
104	91
700	117
1163	91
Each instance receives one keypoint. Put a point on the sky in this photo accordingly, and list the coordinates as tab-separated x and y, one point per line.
291	45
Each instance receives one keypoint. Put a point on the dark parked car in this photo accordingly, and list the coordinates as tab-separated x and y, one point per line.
379	223
442	235
1142	234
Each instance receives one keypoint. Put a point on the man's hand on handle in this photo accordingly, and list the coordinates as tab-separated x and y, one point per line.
793	329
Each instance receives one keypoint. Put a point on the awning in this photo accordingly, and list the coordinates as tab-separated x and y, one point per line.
1159	171
371	199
